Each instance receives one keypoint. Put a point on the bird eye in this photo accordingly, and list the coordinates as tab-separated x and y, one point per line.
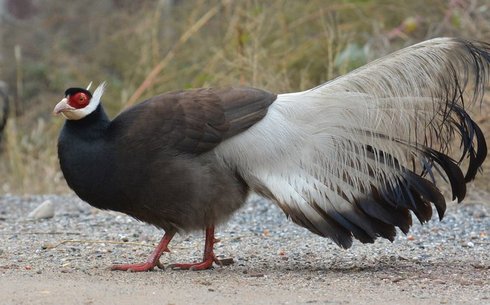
78	100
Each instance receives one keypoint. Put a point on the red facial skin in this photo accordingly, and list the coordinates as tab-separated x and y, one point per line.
78	100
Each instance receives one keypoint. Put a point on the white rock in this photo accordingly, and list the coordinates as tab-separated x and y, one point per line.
44	210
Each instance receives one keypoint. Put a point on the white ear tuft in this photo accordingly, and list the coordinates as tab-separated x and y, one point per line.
98	94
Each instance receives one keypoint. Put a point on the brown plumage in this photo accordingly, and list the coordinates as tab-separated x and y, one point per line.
168	179
184	188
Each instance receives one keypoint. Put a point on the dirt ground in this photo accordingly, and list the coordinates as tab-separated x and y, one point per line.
430	285
66	259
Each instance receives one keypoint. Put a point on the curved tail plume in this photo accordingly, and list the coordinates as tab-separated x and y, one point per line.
352	157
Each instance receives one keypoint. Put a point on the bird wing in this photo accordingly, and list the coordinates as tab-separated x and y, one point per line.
192	121
353	157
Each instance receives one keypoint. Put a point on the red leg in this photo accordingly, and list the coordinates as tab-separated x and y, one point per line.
153	260
208	257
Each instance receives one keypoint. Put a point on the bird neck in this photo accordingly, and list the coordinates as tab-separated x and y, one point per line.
86	156
93	123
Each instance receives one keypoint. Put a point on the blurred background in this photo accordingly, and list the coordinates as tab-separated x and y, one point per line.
141	48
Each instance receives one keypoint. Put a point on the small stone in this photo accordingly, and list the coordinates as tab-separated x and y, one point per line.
227	261
479	214
44	211
397	279
256	275
47	246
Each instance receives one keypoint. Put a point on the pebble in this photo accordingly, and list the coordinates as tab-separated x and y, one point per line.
44	211
227	261
47	246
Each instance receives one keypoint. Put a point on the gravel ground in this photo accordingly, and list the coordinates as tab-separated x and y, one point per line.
66	259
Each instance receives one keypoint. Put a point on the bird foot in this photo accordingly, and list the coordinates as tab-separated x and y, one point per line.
204	265
142	267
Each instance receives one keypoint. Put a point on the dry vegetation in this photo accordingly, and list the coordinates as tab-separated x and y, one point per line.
146	47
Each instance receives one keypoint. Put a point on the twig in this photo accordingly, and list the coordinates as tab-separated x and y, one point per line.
51	233
82	241
150	78
18	109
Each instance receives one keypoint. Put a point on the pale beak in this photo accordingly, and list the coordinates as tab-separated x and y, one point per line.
62	106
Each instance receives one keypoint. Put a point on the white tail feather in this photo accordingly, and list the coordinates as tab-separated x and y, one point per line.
330	145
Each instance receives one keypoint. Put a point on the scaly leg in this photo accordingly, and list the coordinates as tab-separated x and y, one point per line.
208	257
153	260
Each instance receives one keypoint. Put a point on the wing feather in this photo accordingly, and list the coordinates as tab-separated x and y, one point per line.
192	121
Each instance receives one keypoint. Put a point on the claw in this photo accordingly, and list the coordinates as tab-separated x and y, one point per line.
134	267
209	257
204	265
154	259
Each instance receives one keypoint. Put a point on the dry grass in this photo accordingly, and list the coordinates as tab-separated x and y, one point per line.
149	48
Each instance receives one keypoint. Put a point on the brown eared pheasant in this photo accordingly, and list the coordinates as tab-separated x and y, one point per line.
350	159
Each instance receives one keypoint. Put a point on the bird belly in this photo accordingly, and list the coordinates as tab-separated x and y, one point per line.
184	195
